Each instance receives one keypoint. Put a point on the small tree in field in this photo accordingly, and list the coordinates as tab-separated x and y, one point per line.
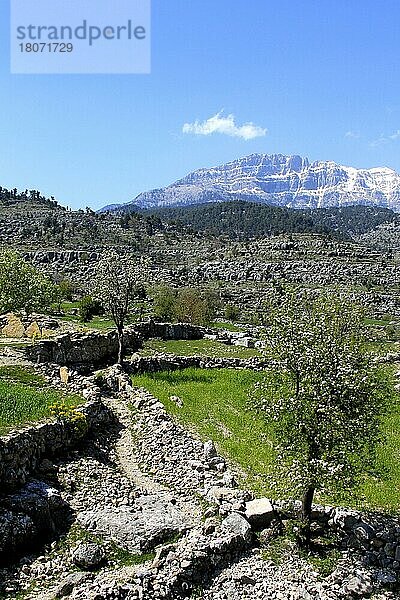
22	287
114	285
324	400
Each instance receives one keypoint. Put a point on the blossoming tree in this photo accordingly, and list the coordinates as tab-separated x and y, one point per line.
326	397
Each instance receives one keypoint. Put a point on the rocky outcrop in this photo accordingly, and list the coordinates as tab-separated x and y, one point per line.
81	348
30	515
152	520
290	181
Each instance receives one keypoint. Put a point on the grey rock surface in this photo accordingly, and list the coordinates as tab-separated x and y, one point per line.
151	520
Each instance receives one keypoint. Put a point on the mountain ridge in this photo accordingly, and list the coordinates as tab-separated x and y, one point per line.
289	181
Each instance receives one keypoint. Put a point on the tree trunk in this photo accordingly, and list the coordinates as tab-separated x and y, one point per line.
306	514
120	333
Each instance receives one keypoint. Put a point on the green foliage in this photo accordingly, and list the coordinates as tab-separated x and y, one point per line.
88	308
164	303
221	415
327	400
22	287
25	375
247	437
232	312
68	415
64	292
243	220
116	284
187	305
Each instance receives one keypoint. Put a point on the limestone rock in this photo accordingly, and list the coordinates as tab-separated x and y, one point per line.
33	330
64	374
259	512
151	521
68	584
88	556
14	327
29	516
210	451
236	524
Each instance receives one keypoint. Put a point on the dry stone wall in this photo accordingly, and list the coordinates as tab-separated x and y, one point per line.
22	451
95	348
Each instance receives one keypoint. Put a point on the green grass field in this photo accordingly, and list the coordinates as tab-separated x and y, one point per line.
227	325
215	403
207	348
25	397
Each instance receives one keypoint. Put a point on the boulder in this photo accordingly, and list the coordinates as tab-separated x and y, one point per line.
88	556
30	517
67	585
33	330
64	374
14	327
260	512
150	521
210	451
236	524
345	518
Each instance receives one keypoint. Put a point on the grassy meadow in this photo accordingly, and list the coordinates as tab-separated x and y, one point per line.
215	404
25	397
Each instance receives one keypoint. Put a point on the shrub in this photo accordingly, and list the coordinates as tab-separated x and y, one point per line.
232	312
88	308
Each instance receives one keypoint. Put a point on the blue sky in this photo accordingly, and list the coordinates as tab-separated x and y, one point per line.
321	76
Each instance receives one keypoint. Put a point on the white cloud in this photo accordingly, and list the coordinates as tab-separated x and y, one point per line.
352	134
384	139
395	135
225	125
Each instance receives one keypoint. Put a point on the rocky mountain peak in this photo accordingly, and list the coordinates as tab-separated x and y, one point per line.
280	180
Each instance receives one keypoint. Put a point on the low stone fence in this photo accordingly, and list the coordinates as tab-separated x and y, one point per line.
170	331
81	348
95	348
170	362
22	451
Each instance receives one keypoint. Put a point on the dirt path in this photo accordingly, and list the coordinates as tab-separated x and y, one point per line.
126	452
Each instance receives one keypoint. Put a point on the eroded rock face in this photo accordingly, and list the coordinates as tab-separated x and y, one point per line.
151	521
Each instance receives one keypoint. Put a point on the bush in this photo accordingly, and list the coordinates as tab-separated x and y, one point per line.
88	308
232	312
164	303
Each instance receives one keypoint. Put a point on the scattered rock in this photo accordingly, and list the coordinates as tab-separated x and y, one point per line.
67	585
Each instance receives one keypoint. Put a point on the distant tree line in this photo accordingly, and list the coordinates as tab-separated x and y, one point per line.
10	197
241	220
